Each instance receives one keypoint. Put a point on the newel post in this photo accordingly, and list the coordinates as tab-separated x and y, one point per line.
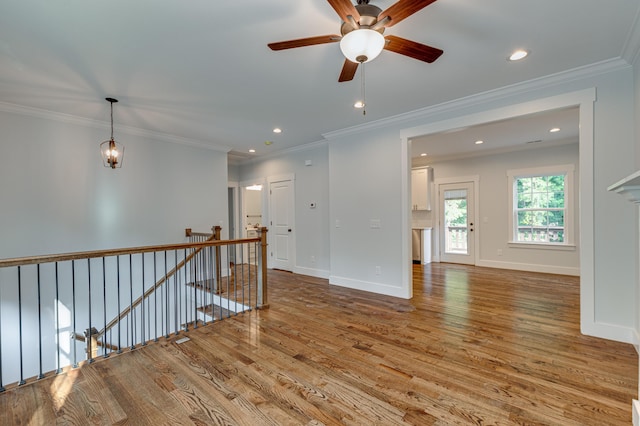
91	339
216	237
263	301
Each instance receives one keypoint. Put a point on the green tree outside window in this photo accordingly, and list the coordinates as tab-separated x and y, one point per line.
540	210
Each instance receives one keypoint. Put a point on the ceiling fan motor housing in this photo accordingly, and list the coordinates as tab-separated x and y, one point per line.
368	18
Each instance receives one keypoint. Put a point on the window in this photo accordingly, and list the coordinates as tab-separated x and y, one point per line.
541	204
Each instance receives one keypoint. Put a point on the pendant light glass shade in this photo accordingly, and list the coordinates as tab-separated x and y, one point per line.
362	45
112	152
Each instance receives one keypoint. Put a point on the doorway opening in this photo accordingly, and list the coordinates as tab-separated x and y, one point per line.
253	217
581	102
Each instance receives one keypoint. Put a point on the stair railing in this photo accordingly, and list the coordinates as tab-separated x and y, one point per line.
193	237
50	303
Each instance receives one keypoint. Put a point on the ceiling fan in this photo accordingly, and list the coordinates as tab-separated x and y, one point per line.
362	26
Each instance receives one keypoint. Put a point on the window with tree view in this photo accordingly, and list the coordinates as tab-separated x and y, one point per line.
540	208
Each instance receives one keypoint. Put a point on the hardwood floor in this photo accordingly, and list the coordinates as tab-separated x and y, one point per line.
475	346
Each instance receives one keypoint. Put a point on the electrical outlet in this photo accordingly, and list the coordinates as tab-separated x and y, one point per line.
313	259
499	252
378	270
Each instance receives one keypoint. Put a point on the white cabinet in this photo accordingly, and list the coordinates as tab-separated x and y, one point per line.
421	189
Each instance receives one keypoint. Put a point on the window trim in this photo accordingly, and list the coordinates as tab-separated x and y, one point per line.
568	171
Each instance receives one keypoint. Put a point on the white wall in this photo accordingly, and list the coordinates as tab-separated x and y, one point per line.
366	185
234	173
636	222
311	184
492	225
57	197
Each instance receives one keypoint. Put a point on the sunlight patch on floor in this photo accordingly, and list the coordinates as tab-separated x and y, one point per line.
62	386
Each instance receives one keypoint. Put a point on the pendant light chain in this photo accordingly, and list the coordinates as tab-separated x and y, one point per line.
111	120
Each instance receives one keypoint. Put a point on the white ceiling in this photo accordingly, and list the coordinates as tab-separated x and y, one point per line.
522	133
201	70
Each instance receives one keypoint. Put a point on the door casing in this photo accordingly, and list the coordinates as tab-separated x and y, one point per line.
475	179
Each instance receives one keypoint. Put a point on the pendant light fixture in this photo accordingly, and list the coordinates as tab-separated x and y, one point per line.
112	152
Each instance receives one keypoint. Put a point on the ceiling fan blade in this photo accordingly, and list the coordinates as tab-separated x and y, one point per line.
301	42
344	9
348	71
415	50
403	9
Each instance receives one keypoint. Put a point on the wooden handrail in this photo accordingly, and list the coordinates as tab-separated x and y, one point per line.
50	258
83	338
213	237
189	233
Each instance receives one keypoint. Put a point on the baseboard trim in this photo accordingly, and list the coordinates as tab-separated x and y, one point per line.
530	267
610	331
312	272
369	286
635	404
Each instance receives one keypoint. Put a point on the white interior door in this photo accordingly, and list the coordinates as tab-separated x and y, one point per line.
281	214
456	223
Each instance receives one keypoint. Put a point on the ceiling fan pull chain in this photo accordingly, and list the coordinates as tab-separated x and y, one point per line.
364	102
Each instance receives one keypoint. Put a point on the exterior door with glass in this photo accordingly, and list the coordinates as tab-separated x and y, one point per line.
456	223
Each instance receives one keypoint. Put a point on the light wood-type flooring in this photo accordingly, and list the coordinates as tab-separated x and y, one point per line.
474	346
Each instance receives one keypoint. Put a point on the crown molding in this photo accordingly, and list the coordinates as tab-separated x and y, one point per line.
275	154
97	124
560	78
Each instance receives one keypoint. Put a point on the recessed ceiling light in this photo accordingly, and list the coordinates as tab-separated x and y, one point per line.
424	154
554	130
479	142
252	150
277	130
358	104
518	54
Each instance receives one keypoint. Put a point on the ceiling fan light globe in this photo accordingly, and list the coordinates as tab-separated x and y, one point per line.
362	45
